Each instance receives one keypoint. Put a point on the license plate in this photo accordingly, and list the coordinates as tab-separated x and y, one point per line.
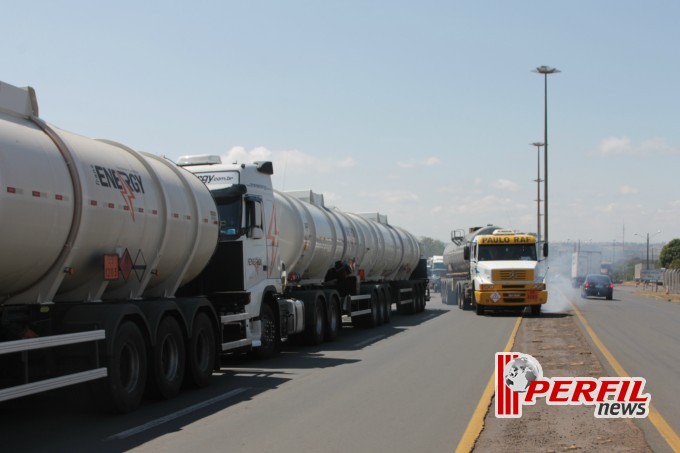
513	295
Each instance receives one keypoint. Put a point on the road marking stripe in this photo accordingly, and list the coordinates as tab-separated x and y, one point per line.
159	421
476	424
661	425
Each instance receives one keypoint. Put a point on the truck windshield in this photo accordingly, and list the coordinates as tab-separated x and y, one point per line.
229	211
514	252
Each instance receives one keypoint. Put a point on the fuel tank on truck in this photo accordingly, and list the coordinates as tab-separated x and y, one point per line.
453	252
67	201
312	237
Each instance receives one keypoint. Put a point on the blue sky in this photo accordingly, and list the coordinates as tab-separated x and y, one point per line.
423	111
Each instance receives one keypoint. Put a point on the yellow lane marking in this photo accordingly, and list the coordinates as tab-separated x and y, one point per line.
654	416
476	424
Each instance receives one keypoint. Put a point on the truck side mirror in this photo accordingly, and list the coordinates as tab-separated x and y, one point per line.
545	249
466	253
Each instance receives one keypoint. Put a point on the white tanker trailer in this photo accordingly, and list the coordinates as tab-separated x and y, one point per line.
123	269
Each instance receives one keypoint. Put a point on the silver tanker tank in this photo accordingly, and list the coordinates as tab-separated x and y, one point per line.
66	201
312	237
453	252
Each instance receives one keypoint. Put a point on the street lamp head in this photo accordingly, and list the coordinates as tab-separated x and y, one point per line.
546	70
538	144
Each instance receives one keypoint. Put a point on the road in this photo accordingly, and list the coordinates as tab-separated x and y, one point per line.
643	335
406	386
412	385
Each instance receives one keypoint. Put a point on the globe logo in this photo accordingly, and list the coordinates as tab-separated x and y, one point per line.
521	371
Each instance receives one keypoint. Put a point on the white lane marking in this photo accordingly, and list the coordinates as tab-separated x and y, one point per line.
159	421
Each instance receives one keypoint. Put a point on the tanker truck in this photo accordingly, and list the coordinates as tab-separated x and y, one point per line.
492	268
126	271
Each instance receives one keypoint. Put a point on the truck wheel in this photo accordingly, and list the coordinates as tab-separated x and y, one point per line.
127	370
200	360
459	297
380	307
420	298
443	290
316	321
269	339
479	309
333	319
449	295
388	305
166	370
536	310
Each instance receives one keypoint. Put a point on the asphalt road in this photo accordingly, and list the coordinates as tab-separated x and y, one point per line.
411	385
643	334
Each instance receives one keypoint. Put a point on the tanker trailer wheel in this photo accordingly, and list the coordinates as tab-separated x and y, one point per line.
449	294
166	370
333	318
371	319
200	359
381	309
420	299
315	324
459	296
127	370
388	305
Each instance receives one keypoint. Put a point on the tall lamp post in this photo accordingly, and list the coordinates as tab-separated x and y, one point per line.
538	191
648	236
545	70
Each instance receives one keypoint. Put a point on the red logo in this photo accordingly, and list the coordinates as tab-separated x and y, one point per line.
520	381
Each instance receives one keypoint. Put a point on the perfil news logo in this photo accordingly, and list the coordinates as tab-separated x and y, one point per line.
520	380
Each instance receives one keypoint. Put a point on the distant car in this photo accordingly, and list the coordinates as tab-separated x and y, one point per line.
597	285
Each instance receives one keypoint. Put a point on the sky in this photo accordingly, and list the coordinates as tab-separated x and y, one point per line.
424	111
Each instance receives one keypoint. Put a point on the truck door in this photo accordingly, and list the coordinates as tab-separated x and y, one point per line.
255	249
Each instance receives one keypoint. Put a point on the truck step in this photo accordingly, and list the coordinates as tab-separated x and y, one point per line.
226	319
236	344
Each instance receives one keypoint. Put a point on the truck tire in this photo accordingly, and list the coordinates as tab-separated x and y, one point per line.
459	297
479	309
167	361
380	307
333	318
536	311
200	360
315	325
450	296
388	305
421	298
369	320
127	369
269	340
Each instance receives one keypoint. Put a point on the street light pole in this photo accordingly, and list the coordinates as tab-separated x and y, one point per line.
538	191
545	70
648	244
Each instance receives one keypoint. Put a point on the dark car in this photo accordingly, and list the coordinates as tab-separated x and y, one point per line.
598	286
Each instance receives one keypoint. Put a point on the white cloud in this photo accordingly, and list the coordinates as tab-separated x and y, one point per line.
628	190
394	196
293	161
506	184
624	145
427	162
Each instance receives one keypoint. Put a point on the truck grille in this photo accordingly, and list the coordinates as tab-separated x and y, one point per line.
513	275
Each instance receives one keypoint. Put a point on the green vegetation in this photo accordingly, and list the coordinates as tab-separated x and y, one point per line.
670	255
430	247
